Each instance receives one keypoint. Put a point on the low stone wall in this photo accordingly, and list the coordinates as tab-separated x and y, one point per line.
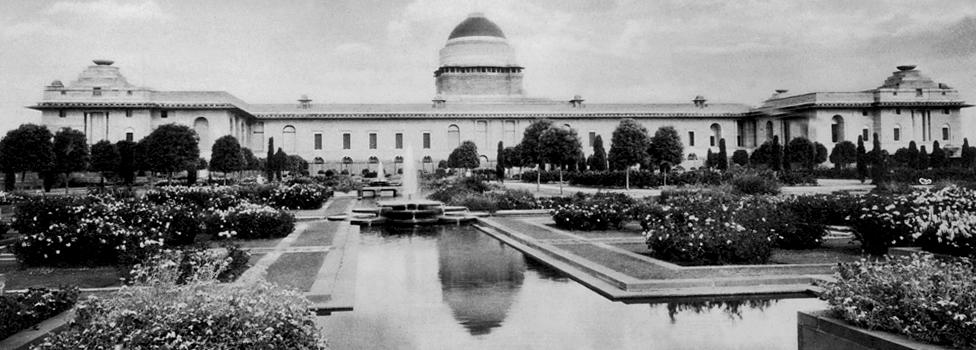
818	331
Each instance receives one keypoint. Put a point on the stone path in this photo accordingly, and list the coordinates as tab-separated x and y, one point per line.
823	186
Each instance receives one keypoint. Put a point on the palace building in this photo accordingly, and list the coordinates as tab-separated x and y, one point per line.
479	97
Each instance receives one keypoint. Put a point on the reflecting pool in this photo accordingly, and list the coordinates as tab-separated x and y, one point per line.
450	287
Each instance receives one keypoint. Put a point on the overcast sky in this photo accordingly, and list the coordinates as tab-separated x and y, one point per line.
386	51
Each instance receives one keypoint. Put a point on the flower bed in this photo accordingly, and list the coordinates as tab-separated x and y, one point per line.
709	229
918	296
21	311
193	316
250	221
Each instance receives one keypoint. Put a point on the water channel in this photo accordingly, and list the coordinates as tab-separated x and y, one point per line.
454	287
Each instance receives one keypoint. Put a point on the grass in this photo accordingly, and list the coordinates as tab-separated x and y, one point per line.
619	262
95	277
629	230
319	233
296	270
833	251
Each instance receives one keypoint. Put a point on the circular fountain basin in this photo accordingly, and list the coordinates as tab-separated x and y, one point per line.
411	212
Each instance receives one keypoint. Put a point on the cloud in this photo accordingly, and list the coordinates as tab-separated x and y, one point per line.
26	29
111	9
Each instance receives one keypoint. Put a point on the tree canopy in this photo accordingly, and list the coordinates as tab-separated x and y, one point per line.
844	154
104	157
722	159
464	156
531	140
226	155
127	160
666	149
27	148
560	146
938	158
171	148
500	162
740	157
801	150
598	160
71	152
628	145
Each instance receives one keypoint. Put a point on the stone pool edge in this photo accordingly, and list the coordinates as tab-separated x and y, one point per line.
616	286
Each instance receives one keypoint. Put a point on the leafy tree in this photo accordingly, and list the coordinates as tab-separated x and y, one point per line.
923	158
968	154
104	158
801	150
560	146
226	155
127	161
762	155
666	148
740	157
500	162
512	157
628	146
776	161
71	153
27	148
464	156
861	159
171	148
901	157
279	162
250	161
598	161
912	155
820	155
879	171
722	160
711	160
530	149
938	157
581	162
295	164
844	154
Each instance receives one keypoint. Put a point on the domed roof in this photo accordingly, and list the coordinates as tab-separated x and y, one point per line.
476	25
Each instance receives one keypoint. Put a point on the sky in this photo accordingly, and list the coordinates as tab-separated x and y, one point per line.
379	51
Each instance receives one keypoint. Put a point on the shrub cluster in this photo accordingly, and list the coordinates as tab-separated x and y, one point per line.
602	211
192	316
250	221
190	265
20	311
752	184
923	298
702	228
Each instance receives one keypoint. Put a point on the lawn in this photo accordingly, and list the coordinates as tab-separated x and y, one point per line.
296	270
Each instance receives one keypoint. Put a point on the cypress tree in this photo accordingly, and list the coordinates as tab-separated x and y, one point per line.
598	162
269	162
710	159
500	162
862	161
923	158
912	155
968	154
723	156
938	157
776	161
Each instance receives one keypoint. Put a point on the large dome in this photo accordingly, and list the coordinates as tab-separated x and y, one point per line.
476	25
477	42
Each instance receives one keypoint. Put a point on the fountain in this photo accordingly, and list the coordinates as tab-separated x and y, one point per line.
411	209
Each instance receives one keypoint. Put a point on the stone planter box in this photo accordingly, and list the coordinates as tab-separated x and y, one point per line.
818	331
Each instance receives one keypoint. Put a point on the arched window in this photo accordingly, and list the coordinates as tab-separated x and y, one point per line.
945	132
896	133
346	160
202	127
481	134
453	136
130	134
692	156
484	161
769	130
837	129
428	159
373	160
288	139
716	135
398	159
319	161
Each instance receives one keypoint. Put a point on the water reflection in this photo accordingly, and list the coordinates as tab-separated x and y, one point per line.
731	308
480	278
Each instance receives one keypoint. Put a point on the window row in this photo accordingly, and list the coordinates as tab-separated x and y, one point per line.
373	140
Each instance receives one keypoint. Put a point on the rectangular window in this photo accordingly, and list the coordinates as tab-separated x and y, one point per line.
592	138
864	134
945	133
834	133
346	141
897	110
129	92
897	134
62	114
426	140
864	112
129	136
96	91
691	138
128	113
738	140
399	140
372	140
945	111
318	141
163	114
918	92
711	141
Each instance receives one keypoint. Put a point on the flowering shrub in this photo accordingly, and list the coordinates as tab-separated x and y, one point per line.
250	221
882	222
589	215
918	296
215	197
944	220
702	229
190	266
20	311
192	316
298	196
751	184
